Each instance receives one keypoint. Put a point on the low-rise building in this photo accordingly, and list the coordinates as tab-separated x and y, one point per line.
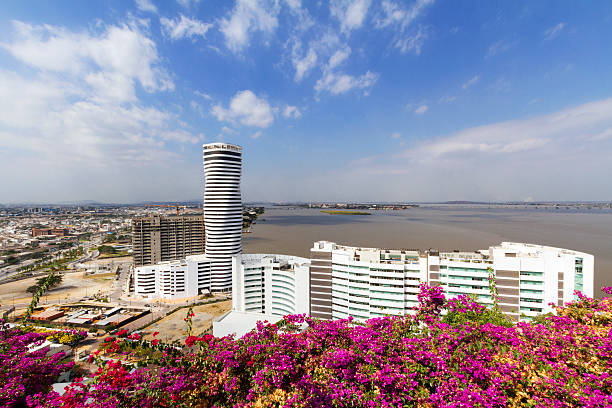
270	284
174	279
60	232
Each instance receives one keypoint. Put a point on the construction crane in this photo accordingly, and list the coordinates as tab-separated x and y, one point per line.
168	205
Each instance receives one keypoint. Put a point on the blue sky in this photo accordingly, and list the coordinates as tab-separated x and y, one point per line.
350	100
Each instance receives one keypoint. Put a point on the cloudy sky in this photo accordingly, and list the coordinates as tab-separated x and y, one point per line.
361	100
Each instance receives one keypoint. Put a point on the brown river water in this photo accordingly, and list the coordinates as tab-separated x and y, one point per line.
287	230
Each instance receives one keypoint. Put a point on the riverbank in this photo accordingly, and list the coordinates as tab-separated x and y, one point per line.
345	212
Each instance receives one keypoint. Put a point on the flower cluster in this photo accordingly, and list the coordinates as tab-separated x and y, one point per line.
69	337
426	360
24	372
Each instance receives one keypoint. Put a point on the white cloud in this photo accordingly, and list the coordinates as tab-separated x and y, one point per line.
421	109
400	20
303	65
394	14
396	135
499	47
292	112
338	57
247	108
553	31
350	13
447	99
197	108
413	42
502	161
113	58
228	130
256	135
328	52
318	50
184	27
203	95
470	82
303	20
187	3
247	17
72	127
501	85
341	83
146	5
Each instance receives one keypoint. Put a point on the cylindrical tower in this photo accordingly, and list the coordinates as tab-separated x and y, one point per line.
222	210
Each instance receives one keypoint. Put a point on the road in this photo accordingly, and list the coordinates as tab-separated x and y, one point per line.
9	271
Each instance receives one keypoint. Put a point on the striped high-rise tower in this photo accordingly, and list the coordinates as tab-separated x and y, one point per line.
222	210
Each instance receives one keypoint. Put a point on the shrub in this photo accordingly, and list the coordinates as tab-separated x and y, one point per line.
22	372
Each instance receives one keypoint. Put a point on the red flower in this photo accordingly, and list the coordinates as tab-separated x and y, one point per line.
250	362
155	334
108	339
154	342
190	340
134	336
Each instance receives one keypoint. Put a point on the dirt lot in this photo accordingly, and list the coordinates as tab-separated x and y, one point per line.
75	286
174	327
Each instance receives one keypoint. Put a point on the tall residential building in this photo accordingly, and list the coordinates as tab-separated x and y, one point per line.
372	282
222	210
158	238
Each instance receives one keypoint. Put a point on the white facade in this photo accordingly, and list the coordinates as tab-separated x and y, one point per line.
364	282
270	284
222	210
371	282
240	323
173	279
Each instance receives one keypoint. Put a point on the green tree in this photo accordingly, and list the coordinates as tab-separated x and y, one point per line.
36	297
106	249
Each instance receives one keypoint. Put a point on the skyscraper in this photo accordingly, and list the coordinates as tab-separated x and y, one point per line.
222	210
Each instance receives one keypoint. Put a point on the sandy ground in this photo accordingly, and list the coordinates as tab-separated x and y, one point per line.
74	286
174	327
107	261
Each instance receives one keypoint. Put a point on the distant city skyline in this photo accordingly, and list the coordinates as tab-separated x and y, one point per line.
357	101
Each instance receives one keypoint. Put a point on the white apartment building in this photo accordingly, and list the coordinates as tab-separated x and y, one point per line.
364	282
270	284
264	288
371	282
174	279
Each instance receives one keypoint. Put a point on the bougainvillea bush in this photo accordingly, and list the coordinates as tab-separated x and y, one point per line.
24	372
450	354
